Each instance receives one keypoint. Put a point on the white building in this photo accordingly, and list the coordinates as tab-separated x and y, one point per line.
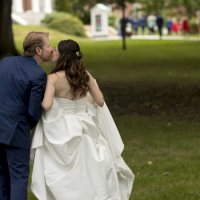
30	11
99	20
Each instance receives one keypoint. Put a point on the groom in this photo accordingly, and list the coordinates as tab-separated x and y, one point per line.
22	85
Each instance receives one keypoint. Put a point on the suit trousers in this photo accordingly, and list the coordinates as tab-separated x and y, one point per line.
14	172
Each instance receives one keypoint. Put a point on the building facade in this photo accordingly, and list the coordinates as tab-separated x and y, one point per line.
99	20
31	11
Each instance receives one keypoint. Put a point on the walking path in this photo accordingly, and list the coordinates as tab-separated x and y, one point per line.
113	35
149	37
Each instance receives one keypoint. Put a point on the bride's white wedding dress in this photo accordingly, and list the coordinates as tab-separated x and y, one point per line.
77	154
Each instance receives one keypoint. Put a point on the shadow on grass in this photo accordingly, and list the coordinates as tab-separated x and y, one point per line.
173	101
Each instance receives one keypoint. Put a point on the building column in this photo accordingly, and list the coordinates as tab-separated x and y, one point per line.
36	6
17	6
47	6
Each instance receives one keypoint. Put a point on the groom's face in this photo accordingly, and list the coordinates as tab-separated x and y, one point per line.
47	50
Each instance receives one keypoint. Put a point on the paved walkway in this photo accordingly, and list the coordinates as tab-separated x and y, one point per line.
148	37
112	35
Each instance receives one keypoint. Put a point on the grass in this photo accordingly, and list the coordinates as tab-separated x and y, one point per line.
143	61
146	61
153	92
21	31
173	149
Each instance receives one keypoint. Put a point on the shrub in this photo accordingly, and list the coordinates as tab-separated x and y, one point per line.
112	21
65	23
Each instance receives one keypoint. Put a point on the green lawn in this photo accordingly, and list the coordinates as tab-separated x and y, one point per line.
153	91
143	61
173	149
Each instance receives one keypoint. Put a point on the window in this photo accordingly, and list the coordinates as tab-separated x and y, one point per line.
98	23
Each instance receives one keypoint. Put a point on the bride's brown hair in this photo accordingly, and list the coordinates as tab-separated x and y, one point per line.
75	72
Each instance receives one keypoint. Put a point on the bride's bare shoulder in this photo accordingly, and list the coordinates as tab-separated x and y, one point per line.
52	78
60	74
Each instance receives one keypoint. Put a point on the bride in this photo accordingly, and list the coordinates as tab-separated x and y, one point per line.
77	147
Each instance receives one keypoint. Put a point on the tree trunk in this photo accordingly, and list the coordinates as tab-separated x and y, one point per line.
121	3
123	28
7	46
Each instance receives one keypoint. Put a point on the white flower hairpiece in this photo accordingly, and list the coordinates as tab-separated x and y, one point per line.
78	53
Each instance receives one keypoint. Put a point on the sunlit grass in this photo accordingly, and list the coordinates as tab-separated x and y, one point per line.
21	31
145	61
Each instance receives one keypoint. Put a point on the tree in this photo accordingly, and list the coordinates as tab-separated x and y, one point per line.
79	8
187	7
121	3
7	46
190	6
64	5
155	6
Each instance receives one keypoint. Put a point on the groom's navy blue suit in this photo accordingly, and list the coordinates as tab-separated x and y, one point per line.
22	85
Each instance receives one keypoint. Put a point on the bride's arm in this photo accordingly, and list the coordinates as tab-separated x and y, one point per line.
95	91
49	92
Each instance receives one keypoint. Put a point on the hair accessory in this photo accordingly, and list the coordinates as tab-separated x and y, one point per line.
78	53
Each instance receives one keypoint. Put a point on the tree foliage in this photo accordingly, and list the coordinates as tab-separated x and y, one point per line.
190	6
187	7
81	8
63	5
153	6
77	7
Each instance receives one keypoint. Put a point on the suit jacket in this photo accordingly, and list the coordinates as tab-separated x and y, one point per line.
22	85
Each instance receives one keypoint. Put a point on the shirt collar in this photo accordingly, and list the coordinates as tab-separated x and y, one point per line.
36	61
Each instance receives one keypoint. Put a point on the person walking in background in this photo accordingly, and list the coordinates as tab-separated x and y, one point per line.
198	20
160	22
21	92
169	25
135	22
179	25
151	23
175	27
186	27
143	23
77	145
